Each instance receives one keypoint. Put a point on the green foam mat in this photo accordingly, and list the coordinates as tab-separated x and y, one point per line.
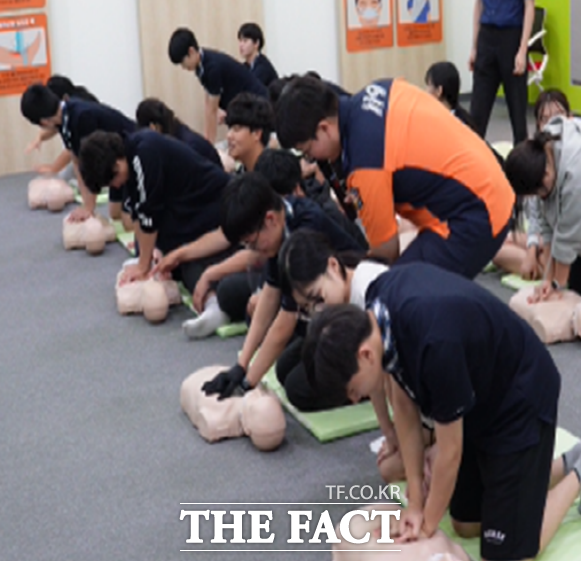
126	239
102	198
503	148
329	425
515	282
490	268
224	332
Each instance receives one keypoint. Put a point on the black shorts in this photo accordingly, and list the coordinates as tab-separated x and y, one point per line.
507	495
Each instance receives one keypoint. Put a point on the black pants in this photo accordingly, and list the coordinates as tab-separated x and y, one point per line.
292	375
191	271
234	292
575	276
494	65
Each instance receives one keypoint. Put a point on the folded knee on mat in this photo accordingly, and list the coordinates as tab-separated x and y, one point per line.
466	530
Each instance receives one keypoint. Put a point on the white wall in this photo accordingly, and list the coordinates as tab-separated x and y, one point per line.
96	44
458	36
301	35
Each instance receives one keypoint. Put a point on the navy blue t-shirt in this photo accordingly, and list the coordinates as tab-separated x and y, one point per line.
172	190
223	76
459	352
503	13
198	143
263	69
303	213
82	118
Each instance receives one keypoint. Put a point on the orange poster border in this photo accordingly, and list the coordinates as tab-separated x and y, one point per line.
15	5
15	80
414	34
361	40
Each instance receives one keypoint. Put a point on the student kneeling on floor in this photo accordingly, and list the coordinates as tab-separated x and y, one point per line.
461	357
172	193
253	214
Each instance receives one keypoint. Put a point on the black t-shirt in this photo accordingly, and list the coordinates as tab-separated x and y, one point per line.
263	69
198	143
223	76
82	118
459	352
304	213
172	190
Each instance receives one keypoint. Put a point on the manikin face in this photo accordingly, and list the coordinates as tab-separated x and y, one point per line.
242	141
248	48
325	146
268	240
191	60
369	12
329	289
548	111
121	174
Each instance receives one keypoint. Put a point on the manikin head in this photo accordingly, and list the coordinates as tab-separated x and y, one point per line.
368	12
102	161
184	49
549	104
307	119
343	353
253	214
250	122
531	168
250	41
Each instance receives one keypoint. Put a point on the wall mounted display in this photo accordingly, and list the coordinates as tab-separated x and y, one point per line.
369	24
575	43
419	22
24	53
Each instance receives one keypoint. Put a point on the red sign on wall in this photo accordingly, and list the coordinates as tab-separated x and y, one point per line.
12	5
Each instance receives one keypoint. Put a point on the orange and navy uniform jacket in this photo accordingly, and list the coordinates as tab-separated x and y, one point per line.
405	153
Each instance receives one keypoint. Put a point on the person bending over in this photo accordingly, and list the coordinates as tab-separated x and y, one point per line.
156	115
459	356
222	77
390	139
75	119
171	192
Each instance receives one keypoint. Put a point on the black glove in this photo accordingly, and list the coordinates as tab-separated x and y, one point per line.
225	383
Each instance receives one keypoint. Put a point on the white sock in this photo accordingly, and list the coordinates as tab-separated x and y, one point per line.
571	457
207	322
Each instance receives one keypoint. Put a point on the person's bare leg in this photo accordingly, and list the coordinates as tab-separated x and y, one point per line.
510	258
467	530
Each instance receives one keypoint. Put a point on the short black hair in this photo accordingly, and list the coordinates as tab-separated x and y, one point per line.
38	102
245	202
249	110
302	105
152	111
253	32
331	347
97	158
526	164
281	169
445	75
63	86
179	44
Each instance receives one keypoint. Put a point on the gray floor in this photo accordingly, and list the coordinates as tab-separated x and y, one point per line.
95	454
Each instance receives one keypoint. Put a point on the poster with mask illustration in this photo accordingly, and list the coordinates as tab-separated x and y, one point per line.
419	22
24	53
369	24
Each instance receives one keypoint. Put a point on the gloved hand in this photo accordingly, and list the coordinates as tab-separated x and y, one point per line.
225	383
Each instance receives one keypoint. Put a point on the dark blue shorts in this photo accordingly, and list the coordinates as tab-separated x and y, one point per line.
466	251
